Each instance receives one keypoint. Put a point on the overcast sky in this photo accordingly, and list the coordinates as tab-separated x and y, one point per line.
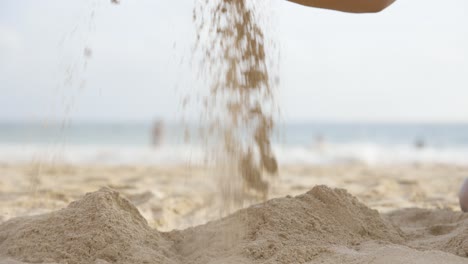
408	63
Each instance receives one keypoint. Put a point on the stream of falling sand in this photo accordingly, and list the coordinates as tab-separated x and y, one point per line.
236	63
235	60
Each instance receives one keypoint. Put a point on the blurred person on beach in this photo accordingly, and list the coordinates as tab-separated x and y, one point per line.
419	143
319	143
157	132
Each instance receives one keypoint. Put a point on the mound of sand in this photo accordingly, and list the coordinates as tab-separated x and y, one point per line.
427	230
324	225
286	230
100	226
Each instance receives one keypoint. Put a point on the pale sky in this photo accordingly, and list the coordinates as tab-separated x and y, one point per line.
408	63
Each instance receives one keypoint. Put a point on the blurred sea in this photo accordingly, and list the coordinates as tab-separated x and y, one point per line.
299	143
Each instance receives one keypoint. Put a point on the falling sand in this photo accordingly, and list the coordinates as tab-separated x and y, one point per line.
232	59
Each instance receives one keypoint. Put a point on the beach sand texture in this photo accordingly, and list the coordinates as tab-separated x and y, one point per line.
124	223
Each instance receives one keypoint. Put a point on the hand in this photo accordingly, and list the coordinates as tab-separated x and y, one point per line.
350	6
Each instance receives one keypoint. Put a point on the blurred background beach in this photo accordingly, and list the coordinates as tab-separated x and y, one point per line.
375	104
387	166
300	143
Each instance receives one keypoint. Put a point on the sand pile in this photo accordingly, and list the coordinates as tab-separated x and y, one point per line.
324	225
101	226
286	230
443	230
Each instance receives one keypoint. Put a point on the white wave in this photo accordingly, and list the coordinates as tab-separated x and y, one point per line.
370	153
331	153
105	154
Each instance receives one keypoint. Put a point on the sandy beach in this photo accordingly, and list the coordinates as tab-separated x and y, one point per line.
416	218
233	132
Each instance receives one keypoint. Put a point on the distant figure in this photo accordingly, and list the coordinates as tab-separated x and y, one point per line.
463	196
157	133
319	143
419	143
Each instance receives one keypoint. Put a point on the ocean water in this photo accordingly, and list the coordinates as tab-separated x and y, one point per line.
299	143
